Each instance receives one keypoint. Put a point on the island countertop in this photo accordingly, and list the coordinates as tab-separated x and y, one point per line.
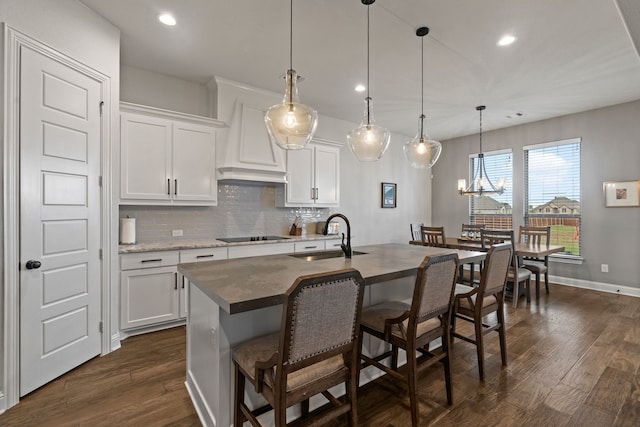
239	285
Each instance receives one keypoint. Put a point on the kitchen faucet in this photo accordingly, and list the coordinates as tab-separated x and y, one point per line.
345	248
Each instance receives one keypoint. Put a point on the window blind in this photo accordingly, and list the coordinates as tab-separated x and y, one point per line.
494	210
552	190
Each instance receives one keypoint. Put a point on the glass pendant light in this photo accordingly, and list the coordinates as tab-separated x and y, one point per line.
368	141
481	184
291	125
422	151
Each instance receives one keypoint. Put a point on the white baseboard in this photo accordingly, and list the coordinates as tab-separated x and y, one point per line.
596	286
124	334
115	341
206	416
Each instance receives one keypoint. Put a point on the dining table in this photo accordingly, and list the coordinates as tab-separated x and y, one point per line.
521	249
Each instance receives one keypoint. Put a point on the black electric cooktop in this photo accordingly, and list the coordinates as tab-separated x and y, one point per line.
250	239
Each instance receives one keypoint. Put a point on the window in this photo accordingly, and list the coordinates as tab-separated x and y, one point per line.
552	191
493	210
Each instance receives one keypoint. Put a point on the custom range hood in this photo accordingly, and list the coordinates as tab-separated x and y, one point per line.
244	150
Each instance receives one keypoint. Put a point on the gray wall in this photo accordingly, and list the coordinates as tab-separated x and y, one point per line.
610	152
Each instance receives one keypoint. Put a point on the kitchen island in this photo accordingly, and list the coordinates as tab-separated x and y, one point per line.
231	301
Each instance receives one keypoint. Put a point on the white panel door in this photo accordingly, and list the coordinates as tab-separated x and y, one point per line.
194	159
59	219
327	175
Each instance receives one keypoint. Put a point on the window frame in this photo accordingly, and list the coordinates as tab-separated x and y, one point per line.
560	257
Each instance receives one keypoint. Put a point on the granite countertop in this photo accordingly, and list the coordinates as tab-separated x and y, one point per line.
213	243
245	284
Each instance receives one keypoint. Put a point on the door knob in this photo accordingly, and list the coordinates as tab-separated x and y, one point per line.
33	264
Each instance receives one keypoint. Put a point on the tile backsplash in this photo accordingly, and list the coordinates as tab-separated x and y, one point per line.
245	209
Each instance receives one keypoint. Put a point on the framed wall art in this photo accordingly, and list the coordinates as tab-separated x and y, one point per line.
618	194
389	195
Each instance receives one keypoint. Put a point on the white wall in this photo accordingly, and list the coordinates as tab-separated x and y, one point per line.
74	30
162	91
610	151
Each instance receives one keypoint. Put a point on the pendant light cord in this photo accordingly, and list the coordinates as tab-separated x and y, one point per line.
422	79
368	96
291	35
480	131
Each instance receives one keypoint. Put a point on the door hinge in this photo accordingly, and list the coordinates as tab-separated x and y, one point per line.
101	105
100	327
100	253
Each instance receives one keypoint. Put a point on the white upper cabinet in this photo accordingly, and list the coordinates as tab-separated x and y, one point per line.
167	157
245	151
313	177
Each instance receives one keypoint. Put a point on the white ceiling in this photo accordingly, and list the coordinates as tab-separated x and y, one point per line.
570	56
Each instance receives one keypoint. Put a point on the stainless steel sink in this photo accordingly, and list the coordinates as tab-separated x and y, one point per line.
315	256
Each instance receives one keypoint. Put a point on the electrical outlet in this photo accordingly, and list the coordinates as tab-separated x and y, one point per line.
176	233
604	268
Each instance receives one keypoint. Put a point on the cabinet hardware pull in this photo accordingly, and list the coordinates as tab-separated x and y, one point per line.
152	260
175	188
316	193
168	187
313	193
205	256
310	247
175	282
182	282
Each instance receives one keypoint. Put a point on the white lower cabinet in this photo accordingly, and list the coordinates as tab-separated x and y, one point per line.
152	291
333	243
309	246
148	288
262	249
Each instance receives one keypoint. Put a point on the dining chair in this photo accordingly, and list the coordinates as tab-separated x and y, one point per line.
536	236
433	236
413	326
415	231
472	304
467	231
318	347
517	274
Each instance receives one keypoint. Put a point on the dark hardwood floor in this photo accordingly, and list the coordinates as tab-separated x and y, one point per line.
573	361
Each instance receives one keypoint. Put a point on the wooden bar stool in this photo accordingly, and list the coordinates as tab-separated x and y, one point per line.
474	303
318	347
412	327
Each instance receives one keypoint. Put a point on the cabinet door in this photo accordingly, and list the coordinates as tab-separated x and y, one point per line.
300	165
148	296
327	175
260	249
308	246
194	159
145	157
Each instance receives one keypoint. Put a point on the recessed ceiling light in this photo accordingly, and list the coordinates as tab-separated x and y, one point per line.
167	19
360	88
506	40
